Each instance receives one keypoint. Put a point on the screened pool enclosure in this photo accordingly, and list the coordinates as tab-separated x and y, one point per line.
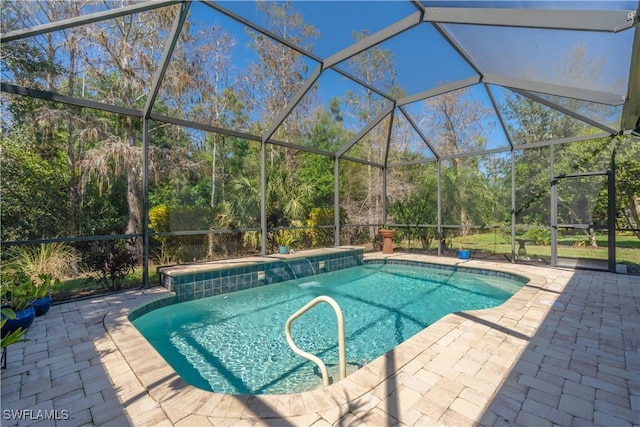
178	132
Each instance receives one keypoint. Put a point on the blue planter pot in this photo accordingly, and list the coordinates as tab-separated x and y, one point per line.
464	254
42	305
24	319
284	249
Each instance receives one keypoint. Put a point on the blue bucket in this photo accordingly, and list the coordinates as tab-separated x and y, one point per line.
464	253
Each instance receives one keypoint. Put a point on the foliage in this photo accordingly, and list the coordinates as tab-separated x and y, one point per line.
15	336
73	171
279	69
628	191
532	186
53	259
109	261
415	212
159	220
159	223
322	216
538	236
46	284
285	238
32	190
18	290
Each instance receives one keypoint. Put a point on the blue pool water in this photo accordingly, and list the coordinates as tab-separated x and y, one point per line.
235	343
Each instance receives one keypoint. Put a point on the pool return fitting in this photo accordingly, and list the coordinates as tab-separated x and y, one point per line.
341	350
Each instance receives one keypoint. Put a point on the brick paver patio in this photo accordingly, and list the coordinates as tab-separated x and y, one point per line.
564	350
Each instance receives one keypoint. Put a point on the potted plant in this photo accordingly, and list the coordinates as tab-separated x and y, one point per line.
44	284
18	294
284	240
10	337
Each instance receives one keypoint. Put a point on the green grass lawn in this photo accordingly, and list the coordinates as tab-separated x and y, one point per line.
627	247
627	252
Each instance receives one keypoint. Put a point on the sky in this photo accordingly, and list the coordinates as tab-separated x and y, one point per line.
422	57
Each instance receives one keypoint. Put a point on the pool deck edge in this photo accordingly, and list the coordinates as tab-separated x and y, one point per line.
360	392
564	350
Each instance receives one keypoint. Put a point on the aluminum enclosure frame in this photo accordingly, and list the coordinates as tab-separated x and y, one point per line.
600	21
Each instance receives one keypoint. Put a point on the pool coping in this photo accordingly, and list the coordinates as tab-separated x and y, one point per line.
363	389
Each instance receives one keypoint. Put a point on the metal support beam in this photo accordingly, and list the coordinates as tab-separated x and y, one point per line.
292	103
301	148
153	93
585	20
388	142
263	197
553	209
412	162
513	206
145	202
377	119
475	153
69	100
441	89
565	110
362	161
261	30
85	19
384	196
503	125
166	56
419	132
203	127
374	39
336	200
611	211
562	141
385	169
456	46
631	110
439	207
362	83
558	90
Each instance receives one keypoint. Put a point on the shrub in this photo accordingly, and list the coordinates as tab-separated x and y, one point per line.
538	237
110	261
55	259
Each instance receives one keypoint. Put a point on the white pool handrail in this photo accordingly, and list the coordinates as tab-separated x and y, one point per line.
341	349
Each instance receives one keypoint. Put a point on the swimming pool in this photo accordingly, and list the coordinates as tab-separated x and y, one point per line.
235	343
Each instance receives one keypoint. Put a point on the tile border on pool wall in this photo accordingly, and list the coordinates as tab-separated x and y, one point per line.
161	302
482	271
194	285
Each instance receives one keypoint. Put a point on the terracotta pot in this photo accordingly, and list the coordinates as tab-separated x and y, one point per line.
387	242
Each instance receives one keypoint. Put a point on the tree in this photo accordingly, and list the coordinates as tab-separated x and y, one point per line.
31	191
327	134
122	61
457	123
280	70
374	66
628	184
287	197
418	205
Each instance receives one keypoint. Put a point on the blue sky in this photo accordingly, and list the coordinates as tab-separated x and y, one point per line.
424	59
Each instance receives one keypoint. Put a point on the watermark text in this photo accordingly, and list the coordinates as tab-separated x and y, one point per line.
35	414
